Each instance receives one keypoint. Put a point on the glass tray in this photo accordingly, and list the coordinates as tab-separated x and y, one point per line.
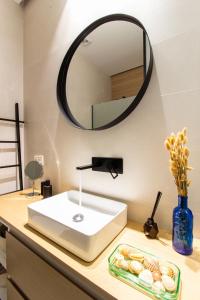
134	281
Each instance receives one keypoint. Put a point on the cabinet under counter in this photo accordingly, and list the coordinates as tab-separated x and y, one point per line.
36	278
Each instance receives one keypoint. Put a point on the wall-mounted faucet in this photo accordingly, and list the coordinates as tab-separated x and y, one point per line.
84	167
105	164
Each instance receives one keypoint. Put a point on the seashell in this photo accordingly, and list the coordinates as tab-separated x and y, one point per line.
166	270
124	250
156	275
135	255
168	283
118	257
123	264
158	287
146	277
172	271
151	264
135	267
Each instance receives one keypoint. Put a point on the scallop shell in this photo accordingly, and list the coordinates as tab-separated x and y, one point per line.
151	264
123	264
124	250
135	267
117	258
156	275
158	287
167	270
136	255
146	277
168	283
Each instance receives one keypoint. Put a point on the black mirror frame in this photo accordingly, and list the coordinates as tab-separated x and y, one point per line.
62	77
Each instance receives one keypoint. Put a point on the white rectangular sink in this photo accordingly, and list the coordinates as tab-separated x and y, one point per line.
56	217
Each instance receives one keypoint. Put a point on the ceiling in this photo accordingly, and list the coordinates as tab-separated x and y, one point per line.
114	47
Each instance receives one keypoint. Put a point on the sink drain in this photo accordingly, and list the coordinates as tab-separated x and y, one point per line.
78	218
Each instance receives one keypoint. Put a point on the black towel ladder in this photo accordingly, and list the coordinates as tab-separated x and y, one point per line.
17	141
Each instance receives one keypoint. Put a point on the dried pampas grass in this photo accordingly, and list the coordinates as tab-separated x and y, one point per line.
179	153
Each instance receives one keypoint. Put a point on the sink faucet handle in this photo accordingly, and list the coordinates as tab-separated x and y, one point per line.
113	172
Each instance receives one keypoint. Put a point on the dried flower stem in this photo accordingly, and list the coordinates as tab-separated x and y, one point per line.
179	153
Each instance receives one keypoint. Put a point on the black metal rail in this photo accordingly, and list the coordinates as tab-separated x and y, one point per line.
17	128
9	166
5	142
10	120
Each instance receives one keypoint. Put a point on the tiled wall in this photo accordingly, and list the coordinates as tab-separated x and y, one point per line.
11	87
171	102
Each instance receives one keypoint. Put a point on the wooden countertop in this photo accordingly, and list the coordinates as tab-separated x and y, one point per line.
13	211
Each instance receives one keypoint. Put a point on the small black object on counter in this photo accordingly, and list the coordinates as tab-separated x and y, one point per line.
46	189
46	182
150	227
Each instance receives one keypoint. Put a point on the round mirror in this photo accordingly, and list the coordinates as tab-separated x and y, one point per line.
105	72
33	171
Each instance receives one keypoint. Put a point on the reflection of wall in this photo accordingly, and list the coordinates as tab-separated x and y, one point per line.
111	53
11	86
147	53
104	113
171	102
127	83
87	85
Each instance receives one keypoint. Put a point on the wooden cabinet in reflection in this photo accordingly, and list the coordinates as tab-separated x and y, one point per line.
128	83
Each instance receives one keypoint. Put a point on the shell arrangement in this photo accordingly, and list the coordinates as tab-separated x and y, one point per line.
179	153
151	272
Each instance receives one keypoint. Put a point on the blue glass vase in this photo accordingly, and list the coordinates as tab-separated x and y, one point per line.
182	227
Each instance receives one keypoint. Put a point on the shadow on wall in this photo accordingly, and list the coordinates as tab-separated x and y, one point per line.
40	42
36	78
154	172
49	16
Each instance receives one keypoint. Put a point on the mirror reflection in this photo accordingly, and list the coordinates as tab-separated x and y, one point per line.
106	73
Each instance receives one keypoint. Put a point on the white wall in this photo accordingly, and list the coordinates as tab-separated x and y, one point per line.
86	85
11	86
170	103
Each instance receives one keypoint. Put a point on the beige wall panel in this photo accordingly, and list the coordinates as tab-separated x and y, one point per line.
11	88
